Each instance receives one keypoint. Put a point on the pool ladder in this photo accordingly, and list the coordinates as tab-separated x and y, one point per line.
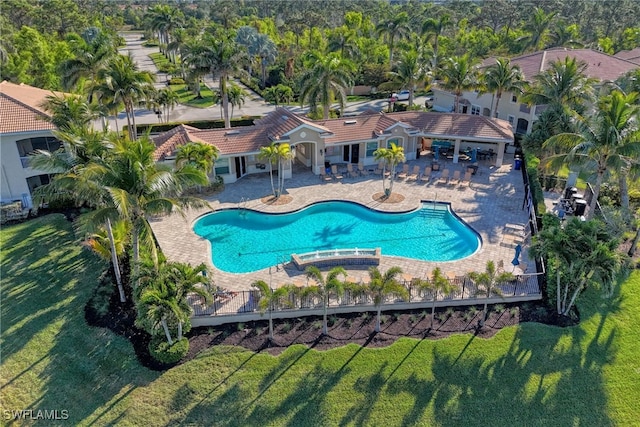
242	205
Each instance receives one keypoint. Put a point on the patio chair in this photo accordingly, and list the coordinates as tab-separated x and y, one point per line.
426	175
414	173
467	179
324	176
405	171
362	170
352	173
455	179
500	267
335	173
435	167
444	178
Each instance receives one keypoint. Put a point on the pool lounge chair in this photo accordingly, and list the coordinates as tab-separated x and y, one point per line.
455	179
405	171
379	169
414	173
426	175
352	173
467	179
362	170
335	173
324	176
444	178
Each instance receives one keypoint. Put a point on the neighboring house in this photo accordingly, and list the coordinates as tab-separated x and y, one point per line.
632	55
318	143
600	66
23	129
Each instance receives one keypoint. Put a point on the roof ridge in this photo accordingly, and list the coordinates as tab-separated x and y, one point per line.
27	106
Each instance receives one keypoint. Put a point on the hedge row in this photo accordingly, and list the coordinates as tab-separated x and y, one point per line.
199	124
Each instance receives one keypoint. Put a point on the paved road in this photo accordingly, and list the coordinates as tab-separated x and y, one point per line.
254	105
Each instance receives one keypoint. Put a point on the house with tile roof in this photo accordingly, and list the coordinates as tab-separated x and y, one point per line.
23	129
521	116
632	55
319	143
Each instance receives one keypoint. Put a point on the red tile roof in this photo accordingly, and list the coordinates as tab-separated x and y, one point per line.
599	65
278	124
632	55
20	109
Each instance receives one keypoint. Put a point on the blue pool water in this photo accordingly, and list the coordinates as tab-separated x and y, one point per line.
244	240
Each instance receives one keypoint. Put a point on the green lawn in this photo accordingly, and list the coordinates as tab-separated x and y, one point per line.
187	97
531	375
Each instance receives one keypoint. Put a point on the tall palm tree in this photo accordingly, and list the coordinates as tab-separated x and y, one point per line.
227	61
266	50
409	73
327	78
278	153
165	100
487	283
459	74
188	279
122	82
435	27
343	40
164	19
327	286
89	58
134	187
500	78
392	157
538	27
159	303
606	140
383	285
69	111
394	29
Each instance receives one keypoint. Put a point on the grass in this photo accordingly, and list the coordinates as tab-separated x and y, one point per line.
187	97
532	375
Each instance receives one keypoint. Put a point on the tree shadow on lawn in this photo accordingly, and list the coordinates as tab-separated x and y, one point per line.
79	368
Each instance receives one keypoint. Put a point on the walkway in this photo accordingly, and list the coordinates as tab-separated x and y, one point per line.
493	200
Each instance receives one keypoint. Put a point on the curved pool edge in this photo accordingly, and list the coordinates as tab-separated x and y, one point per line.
444	204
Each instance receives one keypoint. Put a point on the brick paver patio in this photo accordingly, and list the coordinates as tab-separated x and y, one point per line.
494	199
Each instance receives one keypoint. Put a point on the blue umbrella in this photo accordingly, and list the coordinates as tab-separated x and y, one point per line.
436	153
515	260
474	154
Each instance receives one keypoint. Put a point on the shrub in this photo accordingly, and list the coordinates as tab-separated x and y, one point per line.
240	326
384	319
101	298
332	320
498	308
413	318
449	312
167	353
176	81
513	311
317	324
286	327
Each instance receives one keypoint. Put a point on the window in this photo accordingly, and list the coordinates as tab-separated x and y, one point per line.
514	98
28	146
222	166
371	148
511	119
475	110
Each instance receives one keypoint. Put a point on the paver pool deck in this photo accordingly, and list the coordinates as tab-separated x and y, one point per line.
494	199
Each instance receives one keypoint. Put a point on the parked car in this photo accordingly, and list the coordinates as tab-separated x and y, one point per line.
400	96
428	102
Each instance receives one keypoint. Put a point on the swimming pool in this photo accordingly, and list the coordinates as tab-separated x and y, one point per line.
244	240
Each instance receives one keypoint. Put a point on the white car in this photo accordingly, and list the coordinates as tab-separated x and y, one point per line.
400	96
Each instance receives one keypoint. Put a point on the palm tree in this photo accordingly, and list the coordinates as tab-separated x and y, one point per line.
500	78
409	73
164	19
69	111
327	78
439	284
276	153
435	27
391	157
486	283
159	303
166	99
606	140
133	187
123	83
90	57
236	96
267	51
278	94
459	75
383	285
393	29
326	286
538	27
226	61
197	154
268	297
343	40
563	86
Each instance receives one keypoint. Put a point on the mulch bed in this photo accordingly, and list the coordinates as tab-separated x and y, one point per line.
392	198
272	200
